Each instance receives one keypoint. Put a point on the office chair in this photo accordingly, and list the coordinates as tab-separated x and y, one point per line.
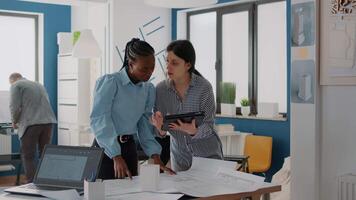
259	151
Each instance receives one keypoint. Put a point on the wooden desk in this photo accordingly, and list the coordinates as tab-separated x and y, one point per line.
13	159
255	195
10	158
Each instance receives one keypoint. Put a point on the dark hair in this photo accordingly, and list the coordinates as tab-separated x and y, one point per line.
135	48
185	50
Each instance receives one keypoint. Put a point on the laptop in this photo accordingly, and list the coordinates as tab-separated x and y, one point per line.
61	168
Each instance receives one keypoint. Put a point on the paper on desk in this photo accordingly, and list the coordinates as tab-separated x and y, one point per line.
206	167
208	177
117	187
147	196
211	165
61	194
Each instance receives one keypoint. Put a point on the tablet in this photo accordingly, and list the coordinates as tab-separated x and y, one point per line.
184	117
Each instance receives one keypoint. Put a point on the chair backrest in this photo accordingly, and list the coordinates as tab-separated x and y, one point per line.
259	150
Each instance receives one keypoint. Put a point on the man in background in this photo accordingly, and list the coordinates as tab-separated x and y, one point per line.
32	114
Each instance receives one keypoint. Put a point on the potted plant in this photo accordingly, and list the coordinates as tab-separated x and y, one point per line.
228	95
245	107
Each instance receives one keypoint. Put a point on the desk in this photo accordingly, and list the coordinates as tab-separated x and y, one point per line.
255	195
208	178
13	159
6	130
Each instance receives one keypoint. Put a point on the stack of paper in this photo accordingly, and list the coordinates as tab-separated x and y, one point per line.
206	177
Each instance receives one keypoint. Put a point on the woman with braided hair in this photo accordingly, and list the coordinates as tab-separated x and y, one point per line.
123	103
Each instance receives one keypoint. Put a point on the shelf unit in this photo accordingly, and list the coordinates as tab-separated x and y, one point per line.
73	97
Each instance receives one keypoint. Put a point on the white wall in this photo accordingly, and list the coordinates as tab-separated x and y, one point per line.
305	121
128	18
338	129
79	18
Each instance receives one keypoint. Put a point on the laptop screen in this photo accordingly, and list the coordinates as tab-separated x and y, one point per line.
68	166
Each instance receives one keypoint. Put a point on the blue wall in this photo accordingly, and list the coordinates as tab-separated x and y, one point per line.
279	130
57	18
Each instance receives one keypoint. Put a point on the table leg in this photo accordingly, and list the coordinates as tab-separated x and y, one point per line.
266	196
19	166
256	197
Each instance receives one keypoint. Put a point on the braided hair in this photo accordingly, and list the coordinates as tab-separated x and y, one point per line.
136	48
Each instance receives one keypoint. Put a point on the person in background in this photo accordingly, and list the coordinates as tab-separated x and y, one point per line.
32	114
186	91
123	103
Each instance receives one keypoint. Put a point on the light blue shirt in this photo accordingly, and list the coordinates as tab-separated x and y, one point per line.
123	108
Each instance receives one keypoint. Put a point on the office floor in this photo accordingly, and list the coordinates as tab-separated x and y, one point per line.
10	180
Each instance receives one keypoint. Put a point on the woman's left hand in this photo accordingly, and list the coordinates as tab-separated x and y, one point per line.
189	128
157	161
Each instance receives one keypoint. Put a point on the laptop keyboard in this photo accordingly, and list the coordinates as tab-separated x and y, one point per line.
37	187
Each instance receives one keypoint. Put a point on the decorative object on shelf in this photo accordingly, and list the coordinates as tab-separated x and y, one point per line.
228	95
298	32
245	106
76	36
180	3
305	87
86	46
303	25
267	110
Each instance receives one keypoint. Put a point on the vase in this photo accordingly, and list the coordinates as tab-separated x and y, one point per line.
245	110
228	109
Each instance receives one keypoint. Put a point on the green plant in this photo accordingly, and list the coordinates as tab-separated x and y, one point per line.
228	92
76	36
245	102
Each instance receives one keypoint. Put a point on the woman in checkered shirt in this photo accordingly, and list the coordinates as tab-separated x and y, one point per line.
184	91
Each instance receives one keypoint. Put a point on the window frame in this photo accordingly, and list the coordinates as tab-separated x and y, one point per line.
252	8
36	19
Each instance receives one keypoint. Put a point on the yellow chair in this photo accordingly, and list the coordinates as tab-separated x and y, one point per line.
259	152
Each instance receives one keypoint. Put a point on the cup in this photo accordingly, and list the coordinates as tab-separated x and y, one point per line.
94	190
149	177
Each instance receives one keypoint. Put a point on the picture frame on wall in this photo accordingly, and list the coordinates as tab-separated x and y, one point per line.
338	42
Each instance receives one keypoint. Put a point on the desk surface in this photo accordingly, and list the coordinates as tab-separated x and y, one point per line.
5	125
6	129
255	195
197	181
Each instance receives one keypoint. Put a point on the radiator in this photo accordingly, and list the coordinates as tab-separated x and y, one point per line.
5	144
347	187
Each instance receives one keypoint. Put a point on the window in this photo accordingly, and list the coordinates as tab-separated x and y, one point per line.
272	70
205	57
18	49
18	53
245	44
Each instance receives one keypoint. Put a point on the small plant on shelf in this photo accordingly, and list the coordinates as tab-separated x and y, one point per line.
245	106
228	92
245	102
227	97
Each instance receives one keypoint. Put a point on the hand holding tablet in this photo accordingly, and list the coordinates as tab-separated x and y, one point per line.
184	117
